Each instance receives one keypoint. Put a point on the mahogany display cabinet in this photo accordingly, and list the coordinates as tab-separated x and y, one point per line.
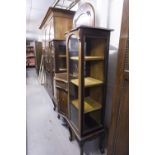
87	64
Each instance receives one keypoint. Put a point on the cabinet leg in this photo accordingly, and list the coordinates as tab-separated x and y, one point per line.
71	134
54	108
58	116
64	123
102	143
81	148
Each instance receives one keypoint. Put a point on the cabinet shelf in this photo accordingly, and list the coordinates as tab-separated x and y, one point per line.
30	56
89	82
88	58
61	77
62	56
90	105
62	69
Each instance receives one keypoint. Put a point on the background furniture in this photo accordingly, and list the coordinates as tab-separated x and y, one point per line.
58	52
55	23
30	56
38	49
87	64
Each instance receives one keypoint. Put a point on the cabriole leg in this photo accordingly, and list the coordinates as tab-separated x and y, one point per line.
101	143
81	148
71	134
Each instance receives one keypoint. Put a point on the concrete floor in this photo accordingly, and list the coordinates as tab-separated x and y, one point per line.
45	133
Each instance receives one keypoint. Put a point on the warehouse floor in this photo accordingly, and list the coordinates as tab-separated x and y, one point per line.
45	133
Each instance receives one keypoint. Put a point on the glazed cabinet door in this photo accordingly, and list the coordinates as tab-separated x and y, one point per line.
60	57
73	80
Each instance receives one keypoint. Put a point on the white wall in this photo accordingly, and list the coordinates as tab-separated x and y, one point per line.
102	13
114	20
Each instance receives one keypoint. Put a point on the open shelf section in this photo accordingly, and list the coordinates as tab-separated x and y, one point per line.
89	82
88	58
90	105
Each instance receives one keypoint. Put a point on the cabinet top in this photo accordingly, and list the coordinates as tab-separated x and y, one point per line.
91	28
56	12
57	40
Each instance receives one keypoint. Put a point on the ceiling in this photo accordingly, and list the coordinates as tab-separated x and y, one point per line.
35	12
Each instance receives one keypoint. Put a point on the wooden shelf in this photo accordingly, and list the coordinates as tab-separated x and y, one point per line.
30	56
88	58
62	56
29	46
89	82
90	105
61	77
62	69
73	76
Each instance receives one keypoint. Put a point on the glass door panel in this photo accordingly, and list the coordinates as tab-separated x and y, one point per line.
62	57
73	80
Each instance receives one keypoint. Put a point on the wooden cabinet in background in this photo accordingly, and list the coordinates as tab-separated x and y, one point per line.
55	24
